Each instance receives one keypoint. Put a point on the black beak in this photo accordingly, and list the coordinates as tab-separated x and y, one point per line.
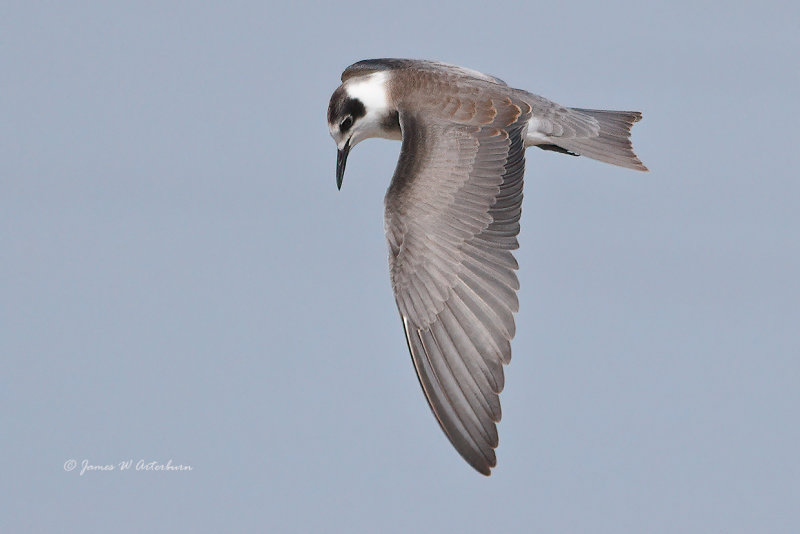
341	161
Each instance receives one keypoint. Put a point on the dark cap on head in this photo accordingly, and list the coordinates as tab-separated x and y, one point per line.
342	105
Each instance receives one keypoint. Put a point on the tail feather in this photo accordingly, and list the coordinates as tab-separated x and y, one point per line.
613	144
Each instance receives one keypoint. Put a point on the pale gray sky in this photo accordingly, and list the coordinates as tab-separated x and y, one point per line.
180	278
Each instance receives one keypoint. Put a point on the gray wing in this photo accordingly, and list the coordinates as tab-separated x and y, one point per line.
436	68
452	219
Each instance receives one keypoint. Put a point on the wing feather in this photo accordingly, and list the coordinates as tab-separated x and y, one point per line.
452	218
442	407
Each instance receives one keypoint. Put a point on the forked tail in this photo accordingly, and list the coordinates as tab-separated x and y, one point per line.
612	145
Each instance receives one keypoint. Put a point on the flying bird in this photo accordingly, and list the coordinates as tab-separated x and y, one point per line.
452	216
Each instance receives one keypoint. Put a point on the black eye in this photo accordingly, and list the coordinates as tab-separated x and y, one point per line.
346	124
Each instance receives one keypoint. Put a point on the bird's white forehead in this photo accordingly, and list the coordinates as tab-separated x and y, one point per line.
371	90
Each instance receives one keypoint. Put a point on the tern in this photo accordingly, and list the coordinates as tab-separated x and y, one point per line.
452	214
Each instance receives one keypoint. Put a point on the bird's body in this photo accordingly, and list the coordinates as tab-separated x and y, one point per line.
452	217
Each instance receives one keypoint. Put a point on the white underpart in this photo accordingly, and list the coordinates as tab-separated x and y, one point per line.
535	135
371	90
